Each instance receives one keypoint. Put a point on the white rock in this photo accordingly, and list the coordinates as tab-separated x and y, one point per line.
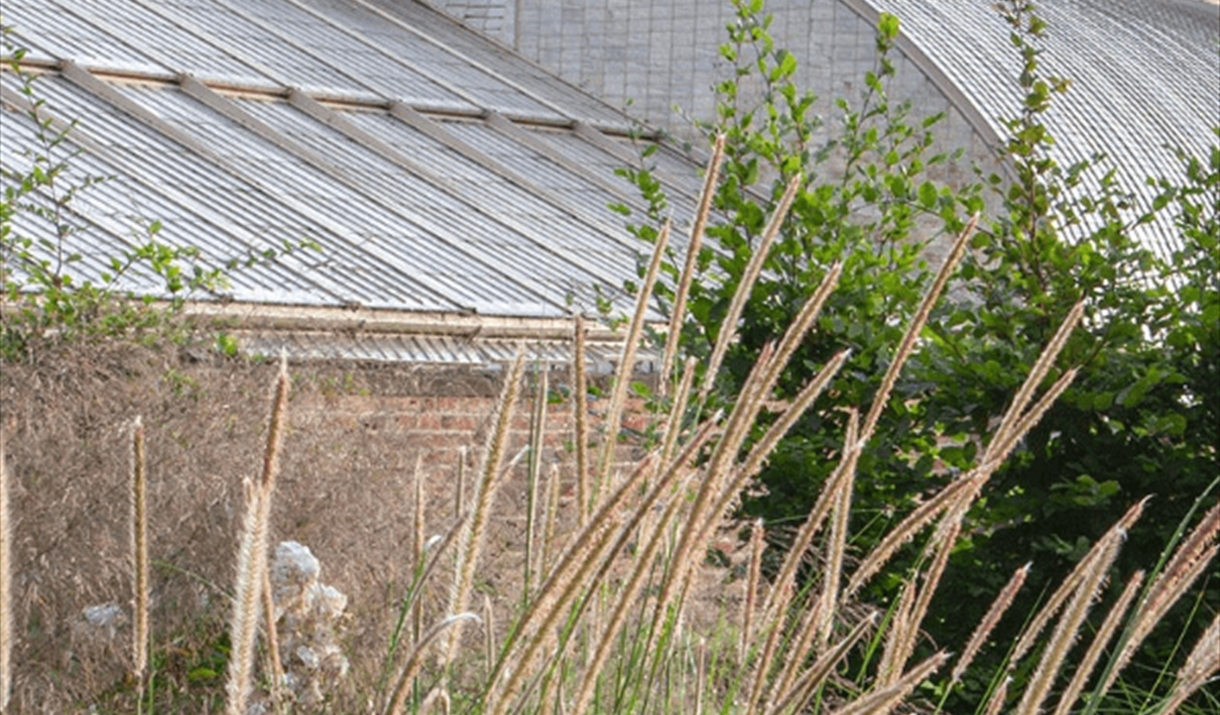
294	564
104	615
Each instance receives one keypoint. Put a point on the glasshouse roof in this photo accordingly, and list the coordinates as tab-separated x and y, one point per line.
438	172
1144	80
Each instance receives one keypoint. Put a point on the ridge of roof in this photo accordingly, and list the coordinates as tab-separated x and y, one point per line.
435	181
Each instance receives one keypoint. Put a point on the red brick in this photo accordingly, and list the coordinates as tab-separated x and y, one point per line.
440	440
636	421
464	404
402	404
459	422
428	421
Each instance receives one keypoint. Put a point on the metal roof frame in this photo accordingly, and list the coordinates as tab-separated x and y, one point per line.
189	106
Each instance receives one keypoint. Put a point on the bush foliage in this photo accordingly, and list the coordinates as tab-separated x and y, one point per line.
1141	417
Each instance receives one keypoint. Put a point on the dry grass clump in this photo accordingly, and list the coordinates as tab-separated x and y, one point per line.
601	619
68	452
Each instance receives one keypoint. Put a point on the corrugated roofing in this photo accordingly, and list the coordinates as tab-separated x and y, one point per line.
245	126
1145	79
440	350
490	55
1146	72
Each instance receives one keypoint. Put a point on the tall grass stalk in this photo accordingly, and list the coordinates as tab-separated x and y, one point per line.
760	673
907	346
425	566
827	607
1017	421
1029	637
722	485
797	331
677	412
273	641
251	563
639	654
533	479
883	700
889	669
252	554
276	427
6	585
728	326
936	555
775	608
459	485
824	503
794	698
759	453
998	698
580	378
1201	664
626	600
551	690
1042	367
753	577
693	247
801	644
420	530
415	661
784	580
490	474
815	630
489	633
906	530
550	521
1068	627
992	619
1188	562
437	700
586	562
700	674
622	382
1172	550
1084	669
139	555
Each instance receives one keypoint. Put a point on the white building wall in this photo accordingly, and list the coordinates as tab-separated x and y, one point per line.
495	18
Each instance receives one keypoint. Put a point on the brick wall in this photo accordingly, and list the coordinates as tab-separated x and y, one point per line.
346	489
447	415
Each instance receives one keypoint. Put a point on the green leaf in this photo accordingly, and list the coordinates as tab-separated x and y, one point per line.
787	63
887	26
202	674
927	195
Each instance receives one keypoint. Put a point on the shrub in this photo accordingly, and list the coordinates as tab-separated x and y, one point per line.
1140	417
